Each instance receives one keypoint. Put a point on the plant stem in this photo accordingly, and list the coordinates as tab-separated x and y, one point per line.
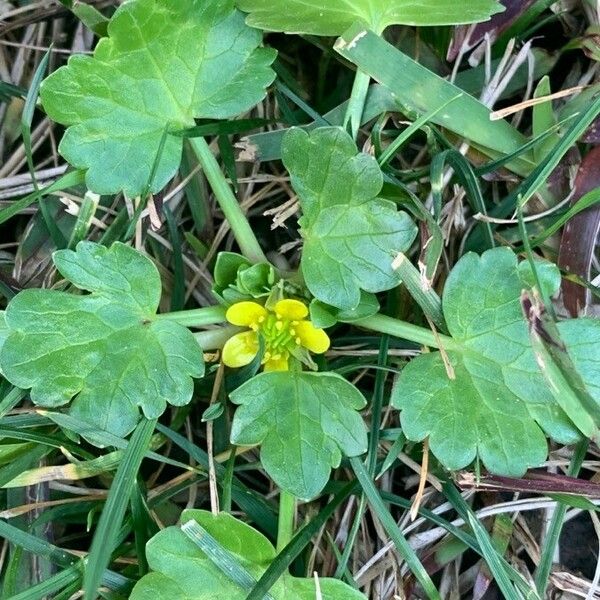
547	558
198	317
407	331
214	339
287	516
356	105
228	202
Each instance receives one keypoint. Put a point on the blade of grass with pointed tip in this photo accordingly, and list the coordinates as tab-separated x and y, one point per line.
542	573
35	545
91	17
68	180
389	152
87	210
419	90
52	586
11	400
467	178
502	571
26	120
392	529
107	530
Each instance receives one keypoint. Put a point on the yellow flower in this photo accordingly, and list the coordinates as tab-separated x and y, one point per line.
285	330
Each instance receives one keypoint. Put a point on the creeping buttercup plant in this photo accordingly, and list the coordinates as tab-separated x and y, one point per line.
495	377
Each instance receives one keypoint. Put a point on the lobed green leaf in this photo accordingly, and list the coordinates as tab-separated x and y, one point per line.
304	421
164	64
350	235
182	570
107	348
332	18
490	399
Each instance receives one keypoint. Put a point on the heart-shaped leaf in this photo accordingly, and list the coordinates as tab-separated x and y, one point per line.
304	421
107	348
350	236
332	18
163	64
182	570
494	401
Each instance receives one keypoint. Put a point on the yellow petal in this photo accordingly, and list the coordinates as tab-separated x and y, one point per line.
245	314
294	310
240	349
316	340
277	364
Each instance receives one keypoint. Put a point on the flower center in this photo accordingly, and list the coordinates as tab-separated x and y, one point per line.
279	336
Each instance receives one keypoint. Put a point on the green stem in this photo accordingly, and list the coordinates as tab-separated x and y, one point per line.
356	105
407	331
228	202
214	339
198	317
287	516
543	571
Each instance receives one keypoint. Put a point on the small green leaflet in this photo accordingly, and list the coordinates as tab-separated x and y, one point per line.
333	17
181	570
350	236
304	421
163	64
498	406
107	348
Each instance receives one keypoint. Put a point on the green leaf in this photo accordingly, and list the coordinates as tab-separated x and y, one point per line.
350	235
324	316
163	64
304	421
498	405
236	279
182	570
106	348
332	18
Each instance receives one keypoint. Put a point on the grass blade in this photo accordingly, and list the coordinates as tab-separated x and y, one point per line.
392	529
114	510
51	586
299	542
502	571
219	556
542	573
251	503
35	545
68	180
419	90
26	120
